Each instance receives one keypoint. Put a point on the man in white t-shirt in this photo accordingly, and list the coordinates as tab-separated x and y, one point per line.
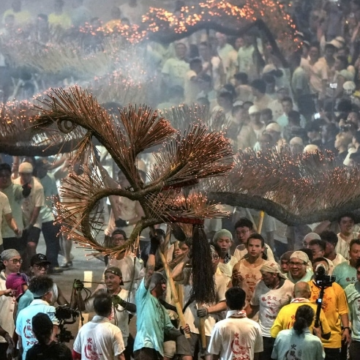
236	337
99	339
346	234
12	262
31	207
41	287
5	212
271	293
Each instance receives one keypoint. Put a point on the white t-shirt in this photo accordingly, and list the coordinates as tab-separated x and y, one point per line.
7	307
288	345
236	338
221	282
35	199
5	209
270	302
24	322
338	260
99	339
119	316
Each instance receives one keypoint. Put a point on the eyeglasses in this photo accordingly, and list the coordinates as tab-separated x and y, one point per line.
16	261
296	263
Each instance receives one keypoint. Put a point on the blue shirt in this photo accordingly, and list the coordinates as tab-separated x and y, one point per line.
152	321
353	296
290	345
344	274
25	300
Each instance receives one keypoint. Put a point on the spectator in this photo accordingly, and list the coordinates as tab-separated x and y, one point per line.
46	348
21	17
59	17
41	287
261	100
299	267
331	241
346	223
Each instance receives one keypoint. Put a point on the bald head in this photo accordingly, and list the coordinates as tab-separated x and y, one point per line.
302	290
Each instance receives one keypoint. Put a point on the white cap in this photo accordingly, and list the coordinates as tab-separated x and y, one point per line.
311	149
268	68
253	110
273	127
296	141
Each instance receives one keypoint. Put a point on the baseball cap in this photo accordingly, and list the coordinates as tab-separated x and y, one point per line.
39	259
113	270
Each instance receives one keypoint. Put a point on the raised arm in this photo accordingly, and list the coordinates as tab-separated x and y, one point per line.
150	265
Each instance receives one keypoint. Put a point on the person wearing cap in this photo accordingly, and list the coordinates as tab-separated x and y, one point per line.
41	287
48	228
335	307
31	207
299	267
15	194
271	293
224	239
308	237
153	322
11	259
99	338
286	316
296	146
331	241
236	333
39	265
122	303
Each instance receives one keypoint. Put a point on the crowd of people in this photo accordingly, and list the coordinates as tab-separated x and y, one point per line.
267	281
265	296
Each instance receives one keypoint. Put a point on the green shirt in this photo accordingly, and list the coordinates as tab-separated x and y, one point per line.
344	274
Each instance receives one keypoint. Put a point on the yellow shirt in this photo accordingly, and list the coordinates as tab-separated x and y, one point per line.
62	20
334	305
286	317
21	17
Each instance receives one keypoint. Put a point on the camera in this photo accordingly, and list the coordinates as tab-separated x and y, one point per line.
63	314
321	279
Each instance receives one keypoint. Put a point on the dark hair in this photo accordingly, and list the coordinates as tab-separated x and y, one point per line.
304	317
287	98
320	243
357	265
160	232
354	242
235	298
349	215
256	237
206	78
268	78
267	111
344	60
294	117
119	232
102	304
6	167
40	285
330	237
259	85
195	61
308	252
42	327
226	94
243	77
244	222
